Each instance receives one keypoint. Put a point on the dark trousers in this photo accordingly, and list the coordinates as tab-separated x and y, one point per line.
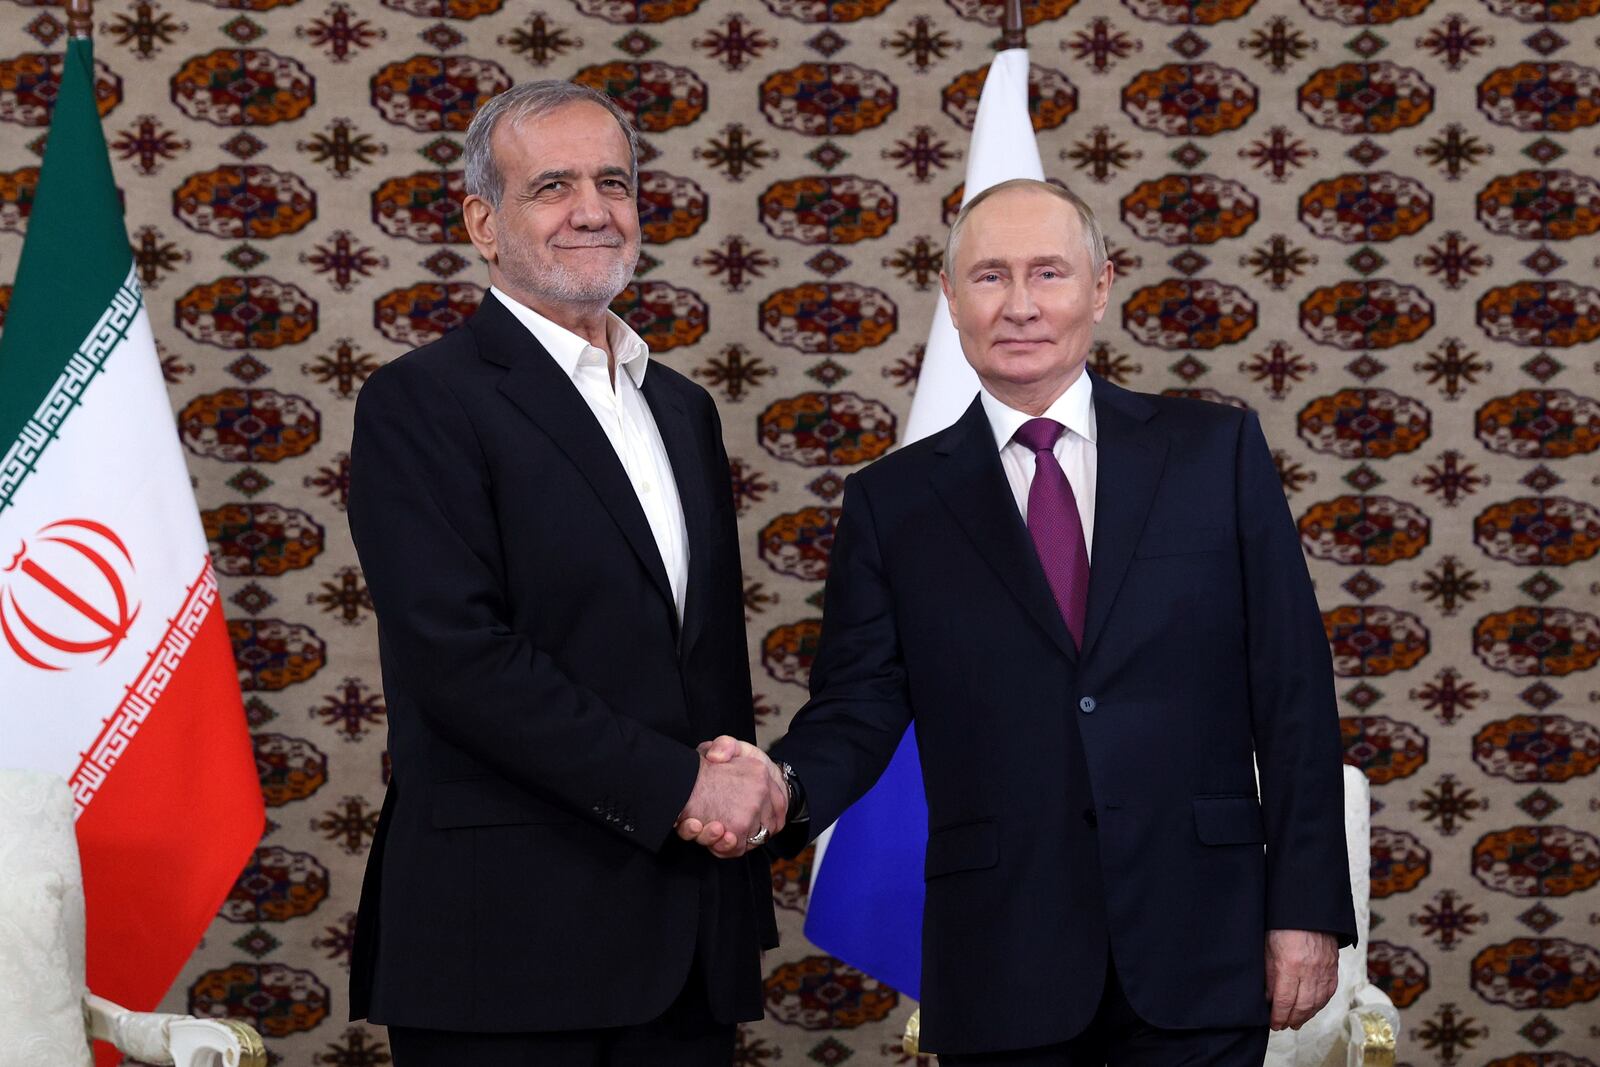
1117	1037
685	1035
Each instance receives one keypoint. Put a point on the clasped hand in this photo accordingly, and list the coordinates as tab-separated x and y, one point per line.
738	792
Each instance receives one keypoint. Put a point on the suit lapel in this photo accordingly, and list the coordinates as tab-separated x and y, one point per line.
536	384
973	485
689	462
1130	457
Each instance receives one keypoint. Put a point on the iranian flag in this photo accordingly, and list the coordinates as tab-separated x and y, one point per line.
115	666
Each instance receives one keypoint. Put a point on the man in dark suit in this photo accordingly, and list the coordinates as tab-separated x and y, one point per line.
546	524
1093	606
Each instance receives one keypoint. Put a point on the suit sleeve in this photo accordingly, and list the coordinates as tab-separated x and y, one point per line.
844	737
422	516
1292	709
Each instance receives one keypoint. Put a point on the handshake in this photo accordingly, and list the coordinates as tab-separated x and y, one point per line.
739	799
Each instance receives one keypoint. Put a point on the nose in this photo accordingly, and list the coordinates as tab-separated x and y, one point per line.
1019	303
588	209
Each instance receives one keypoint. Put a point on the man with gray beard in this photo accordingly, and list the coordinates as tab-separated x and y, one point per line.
546	524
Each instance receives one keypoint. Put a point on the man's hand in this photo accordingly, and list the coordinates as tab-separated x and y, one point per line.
738	791
1302	973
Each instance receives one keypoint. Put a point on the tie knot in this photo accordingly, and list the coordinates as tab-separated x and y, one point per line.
1039	434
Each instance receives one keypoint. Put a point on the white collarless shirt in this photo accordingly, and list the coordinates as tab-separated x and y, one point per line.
624	415
1074	450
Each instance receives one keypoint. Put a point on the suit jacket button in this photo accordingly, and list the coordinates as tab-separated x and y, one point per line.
1086	705
1090	819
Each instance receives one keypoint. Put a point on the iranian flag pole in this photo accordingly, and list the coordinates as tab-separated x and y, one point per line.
115	667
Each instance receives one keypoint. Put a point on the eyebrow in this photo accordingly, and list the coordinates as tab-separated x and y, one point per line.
1037	261
568	175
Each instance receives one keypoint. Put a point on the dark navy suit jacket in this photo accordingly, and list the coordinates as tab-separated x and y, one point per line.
544	701
1093	800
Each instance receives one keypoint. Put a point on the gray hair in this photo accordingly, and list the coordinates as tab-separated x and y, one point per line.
1094	239
525	101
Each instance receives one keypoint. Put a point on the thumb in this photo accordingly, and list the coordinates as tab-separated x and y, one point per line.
722	749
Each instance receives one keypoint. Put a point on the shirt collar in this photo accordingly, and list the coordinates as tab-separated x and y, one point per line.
571	351
1073	409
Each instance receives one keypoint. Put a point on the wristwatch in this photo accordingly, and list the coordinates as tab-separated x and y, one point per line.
797	794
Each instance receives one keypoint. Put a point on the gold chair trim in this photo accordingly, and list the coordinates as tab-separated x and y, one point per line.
1378	1041
254	1052
910	1039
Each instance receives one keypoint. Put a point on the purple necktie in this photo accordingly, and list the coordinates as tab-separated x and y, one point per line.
1056	527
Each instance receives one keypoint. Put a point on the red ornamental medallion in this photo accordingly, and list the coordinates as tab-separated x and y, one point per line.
64	595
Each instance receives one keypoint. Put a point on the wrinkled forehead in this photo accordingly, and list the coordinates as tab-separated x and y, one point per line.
1023	224
577	134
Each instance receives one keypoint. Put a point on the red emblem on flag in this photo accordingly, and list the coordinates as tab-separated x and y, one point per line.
65	595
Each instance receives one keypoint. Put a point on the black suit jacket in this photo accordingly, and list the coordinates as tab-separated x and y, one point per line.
543	700
1080	801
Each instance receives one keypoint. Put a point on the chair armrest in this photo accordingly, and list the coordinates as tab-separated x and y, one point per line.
1373	1026
174	1039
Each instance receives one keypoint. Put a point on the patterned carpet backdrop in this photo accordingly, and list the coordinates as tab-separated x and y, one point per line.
1372	221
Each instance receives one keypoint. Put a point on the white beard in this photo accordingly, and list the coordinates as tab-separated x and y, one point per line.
558	282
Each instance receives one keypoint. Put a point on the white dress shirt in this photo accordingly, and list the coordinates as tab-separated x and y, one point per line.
624	415
1074	450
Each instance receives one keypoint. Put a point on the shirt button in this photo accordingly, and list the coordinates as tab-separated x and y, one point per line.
644	487
1086	705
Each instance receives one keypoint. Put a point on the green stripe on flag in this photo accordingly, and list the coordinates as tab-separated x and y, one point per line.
74	260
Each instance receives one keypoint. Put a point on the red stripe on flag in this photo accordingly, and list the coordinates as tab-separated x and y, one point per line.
173	822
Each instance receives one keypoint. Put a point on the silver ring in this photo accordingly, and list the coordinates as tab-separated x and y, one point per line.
757	838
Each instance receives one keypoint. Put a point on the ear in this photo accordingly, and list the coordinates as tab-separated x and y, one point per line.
949	299
1102	290
478	216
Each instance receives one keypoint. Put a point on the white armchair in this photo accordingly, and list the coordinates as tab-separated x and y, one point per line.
1359	1027
47	1015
